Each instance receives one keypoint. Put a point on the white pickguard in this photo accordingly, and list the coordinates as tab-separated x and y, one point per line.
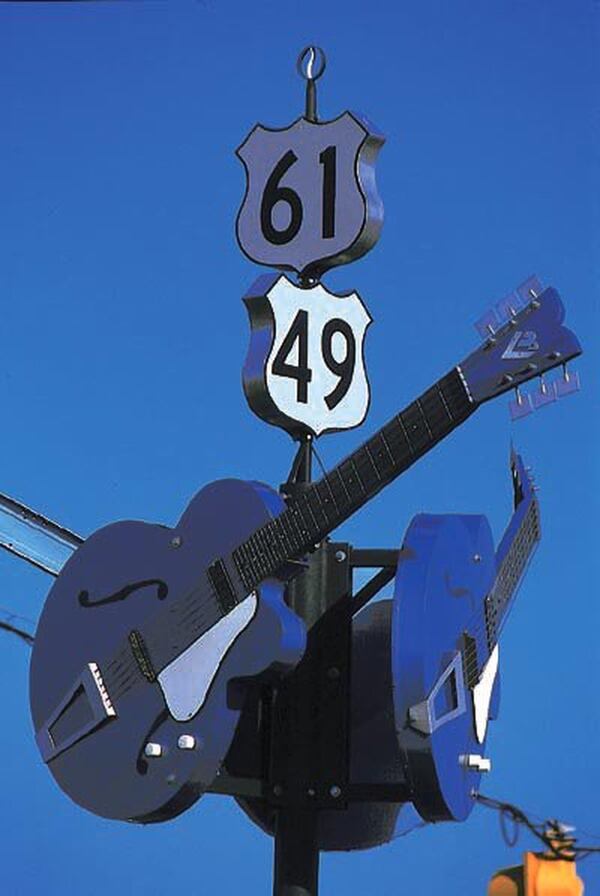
482	695
185	682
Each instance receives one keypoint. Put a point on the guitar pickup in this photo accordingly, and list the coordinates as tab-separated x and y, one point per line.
85	707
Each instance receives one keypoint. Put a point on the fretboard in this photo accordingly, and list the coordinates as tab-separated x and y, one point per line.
327	503
511	571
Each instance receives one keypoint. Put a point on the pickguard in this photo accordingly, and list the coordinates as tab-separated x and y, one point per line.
186	681
482	695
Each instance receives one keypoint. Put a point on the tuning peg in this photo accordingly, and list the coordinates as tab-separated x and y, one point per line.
529	291
521	406
508	307
487	325
567	383
544	395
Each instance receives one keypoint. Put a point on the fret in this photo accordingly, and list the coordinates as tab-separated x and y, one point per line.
352	481
284	537
277	551
363	471
419	406
380	452
338	490
298	517
415	428
397	443
379	458
444	402
327	503
456	396
248	562
436	413
285	521
510	574
367	469
257	555
294	526
266	548
315	527
323	487
244	563
318	509
243	568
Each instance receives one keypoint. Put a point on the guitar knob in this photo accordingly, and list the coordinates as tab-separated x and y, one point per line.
153	750
186	742
476	762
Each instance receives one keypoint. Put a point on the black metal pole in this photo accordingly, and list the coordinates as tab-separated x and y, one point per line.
296	855
296	867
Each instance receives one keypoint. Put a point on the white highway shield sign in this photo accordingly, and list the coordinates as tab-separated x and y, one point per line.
305	368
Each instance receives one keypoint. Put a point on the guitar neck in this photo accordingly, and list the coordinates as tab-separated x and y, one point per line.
324	505
515	552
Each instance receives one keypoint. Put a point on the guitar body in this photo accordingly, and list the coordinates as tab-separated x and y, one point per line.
439	595
122	575
146	626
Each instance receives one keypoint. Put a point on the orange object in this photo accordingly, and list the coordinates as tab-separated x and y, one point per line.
539	875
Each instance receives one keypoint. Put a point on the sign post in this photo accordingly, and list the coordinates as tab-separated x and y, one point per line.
310	204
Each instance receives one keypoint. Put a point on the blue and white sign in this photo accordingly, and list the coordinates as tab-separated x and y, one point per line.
305	368
311	202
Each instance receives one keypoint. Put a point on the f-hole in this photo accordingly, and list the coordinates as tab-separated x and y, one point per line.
162	589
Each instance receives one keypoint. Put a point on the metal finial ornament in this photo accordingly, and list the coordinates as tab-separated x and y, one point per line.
311	64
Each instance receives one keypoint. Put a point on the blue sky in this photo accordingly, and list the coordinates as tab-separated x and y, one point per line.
124	336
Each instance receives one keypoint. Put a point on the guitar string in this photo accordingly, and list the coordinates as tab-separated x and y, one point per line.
121	671
121	668
522	554
124	671
526	538
467	740
526	533
529	518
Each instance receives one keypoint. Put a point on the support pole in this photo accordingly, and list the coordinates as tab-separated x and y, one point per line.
296	855
296	868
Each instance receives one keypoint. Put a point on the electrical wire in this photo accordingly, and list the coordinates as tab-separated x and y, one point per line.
8	624
551	832
19	632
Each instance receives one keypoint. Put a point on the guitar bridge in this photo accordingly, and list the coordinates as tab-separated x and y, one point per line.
85	707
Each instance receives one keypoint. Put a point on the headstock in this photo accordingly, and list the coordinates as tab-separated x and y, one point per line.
523	338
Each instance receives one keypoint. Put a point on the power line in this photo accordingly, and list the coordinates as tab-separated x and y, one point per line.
11	623
19	632
552	833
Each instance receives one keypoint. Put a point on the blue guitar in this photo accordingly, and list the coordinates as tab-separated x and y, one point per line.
146	627
453	595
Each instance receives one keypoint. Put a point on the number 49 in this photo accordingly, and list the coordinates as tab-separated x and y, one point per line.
302	373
